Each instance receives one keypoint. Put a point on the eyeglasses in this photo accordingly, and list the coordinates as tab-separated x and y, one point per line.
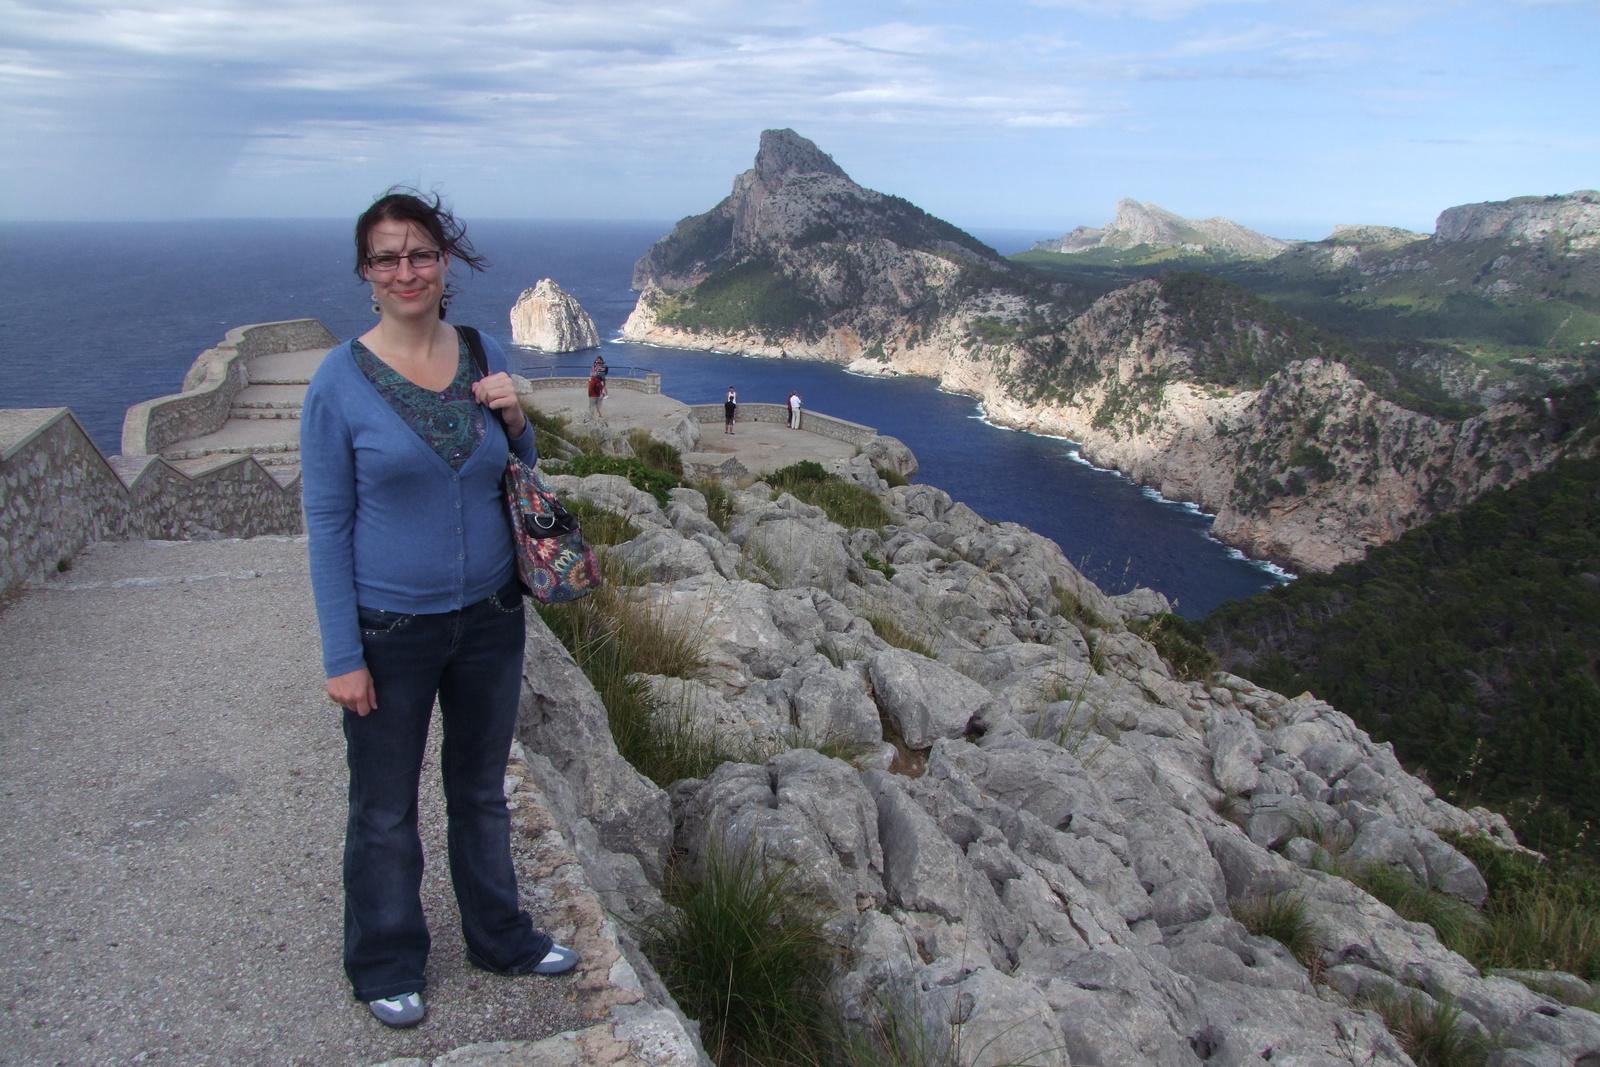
422	259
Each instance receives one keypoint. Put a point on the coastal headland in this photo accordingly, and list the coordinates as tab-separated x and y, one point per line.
1308	447
1033	820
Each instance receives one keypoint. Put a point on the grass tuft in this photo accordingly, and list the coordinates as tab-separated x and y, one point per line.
1457	924
719	504
1432	1035
1286	918
744	953
892	477
889	628
601	526
615	636
653	453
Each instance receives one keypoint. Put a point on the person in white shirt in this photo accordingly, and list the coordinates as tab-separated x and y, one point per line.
794	411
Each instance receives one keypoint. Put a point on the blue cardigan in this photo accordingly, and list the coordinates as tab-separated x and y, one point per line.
391	525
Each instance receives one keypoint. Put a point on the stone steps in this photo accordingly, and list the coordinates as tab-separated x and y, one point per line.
264	411
264	418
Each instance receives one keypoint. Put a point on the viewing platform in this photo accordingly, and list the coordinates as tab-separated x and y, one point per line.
761	441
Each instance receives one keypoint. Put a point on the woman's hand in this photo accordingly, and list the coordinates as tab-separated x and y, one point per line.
354	691
500	396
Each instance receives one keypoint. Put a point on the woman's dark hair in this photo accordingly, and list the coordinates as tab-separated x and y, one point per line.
404	204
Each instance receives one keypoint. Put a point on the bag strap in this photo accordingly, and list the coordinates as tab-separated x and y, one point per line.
474	341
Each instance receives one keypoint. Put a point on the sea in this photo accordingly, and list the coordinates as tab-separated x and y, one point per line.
100	316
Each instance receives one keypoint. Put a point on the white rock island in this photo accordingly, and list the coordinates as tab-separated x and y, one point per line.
549	318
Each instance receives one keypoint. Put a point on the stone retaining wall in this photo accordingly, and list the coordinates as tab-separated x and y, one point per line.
58	492
650	383
852	433
214	379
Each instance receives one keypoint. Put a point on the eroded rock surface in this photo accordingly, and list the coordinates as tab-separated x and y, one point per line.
1031	837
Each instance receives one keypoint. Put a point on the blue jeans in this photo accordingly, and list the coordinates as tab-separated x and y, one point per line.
472	661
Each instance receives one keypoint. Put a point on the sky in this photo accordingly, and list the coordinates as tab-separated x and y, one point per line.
1035	115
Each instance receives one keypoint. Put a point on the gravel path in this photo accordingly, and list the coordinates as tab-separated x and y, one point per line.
172	822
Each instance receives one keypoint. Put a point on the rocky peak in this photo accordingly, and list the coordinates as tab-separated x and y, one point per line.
1526	218
784	153
792	203
1148	224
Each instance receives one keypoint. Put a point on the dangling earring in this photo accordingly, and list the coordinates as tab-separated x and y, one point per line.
376	309
444	305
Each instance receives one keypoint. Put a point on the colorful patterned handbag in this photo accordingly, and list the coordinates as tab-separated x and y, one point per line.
554	562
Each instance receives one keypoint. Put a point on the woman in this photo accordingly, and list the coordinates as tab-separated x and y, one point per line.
417	598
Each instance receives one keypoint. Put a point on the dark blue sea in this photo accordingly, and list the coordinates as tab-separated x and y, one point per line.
103	315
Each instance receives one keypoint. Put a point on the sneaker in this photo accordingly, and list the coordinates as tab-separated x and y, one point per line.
398	1012
559	960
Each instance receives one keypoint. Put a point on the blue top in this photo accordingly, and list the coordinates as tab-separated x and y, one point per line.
391	524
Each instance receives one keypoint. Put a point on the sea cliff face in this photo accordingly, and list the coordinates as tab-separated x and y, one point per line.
549	318
1197	390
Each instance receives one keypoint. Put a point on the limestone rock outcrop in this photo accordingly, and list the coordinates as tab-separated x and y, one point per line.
1041	838
1526	218
1147	224
549	318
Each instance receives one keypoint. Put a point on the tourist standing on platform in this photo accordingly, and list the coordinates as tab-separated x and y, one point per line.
597	394
403	446
730	408
599	370
794	411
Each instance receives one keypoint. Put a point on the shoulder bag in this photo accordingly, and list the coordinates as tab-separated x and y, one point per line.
554	563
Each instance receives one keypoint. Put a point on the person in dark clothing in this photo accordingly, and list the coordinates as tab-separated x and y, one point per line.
730	407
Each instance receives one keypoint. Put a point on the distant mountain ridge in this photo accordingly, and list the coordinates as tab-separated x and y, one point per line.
1146	224
1306	447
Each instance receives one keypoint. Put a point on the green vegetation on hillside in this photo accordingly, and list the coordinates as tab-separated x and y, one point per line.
752	295
1475	304
1472	643
1234	339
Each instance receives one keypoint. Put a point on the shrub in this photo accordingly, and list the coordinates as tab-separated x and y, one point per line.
878	565
639	474
892	477
846	503
1432	1035
743	952
1181	645
1286	918
658	454
1542	914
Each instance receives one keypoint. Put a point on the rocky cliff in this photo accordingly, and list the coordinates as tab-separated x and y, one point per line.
549	318
1045	837
1526	218
1147	224
1308	452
